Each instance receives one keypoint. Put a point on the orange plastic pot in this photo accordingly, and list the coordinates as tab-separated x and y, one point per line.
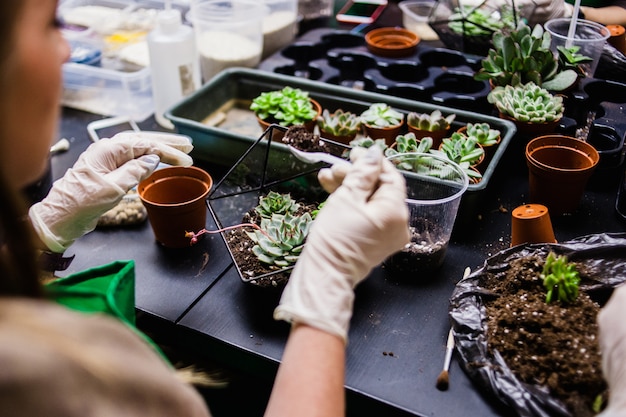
558	170
174	198
391	42
531	223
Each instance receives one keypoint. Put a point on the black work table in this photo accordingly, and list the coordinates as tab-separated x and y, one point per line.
399	328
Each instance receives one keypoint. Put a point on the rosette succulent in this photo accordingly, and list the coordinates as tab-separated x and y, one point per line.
408	143
289	106
527	103
381	115
460	148
282	238
339	123
484	134
276	203
430	122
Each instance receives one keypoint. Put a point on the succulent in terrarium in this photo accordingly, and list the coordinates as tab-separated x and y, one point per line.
430	121
381	115
281	239
276	203
339	123
527	103
484	134
523	56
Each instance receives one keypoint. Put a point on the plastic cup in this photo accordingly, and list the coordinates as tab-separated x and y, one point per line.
589	36
315	9
229	33
434	188
415	15
280	25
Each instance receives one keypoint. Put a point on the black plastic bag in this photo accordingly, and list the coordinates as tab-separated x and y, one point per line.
605	257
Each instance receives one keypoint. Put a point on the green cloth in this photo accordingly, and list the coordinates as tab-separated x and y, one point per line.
591	3
108	289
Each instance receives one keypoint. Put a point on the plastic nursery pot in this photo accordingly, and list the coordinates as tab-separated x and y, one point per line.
278	134
558	170
618	37
433	203
531	223
532	129
391	42
388	133
437	135
175	201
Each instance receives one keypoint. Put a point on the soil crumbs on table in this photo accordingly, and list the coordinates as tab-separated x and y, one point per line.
551	345
241	247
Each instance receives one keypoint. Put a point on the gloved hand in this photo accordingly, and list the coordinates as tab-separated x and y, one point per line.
363	221
612	334
99	180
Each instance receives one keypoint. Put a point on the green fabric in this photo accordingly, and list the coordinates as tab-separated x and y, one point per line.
591	3
108	289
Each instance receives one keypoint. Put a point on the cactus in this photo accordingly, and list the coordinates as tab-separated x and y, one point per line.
527	103
339	123
283	240
276	203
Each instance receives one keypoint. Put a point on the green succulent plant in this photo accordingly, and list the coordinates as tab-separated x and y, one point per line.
430	122
560	279
408	143
276	203
283	240
569	58
472	21
523	56
381	115
527	103
460	148
289	106
484	134
365	142
339	123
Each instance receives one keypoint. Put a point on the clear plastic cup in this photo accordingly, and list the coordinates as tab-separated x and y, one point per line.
415	16
434	187
280	25
589	37
229	33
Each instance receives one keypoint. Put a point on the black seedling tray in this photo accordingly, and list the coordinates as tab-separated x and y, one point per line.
433	75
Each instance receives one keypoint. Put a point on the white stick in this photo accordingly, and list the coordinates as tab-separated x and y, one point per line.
572	25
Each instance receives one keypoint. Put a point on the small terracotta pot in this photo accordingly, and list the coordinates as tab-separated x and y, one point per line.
277	135
174	198
618	37
346	139
531	223
559	168
388	133
391	42
437	135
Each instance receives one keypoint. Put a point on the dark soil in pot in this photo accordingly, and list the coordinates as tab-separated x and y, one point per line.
551	345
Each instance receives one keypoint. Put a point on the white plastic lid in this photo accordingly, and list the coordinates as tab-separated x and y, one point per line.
169	20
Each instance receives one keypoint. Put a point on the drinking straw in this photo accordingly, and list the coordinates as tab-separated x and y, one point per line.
572	25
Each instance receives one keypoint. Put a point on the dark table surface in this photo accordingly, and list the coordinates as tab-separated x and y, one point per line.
399	328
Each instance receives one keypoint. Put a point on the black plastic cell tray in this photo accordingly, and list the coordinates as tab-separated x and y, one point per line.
430	74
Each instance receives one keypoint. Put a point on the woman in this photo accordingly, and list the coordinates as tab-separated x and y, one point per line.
56	362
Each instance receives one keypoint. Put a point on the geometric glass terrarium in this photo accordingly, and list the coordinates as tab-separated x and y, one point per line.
266	166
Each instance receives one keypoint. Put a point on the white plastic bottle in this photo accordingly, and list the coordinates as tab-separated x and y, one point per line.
174	62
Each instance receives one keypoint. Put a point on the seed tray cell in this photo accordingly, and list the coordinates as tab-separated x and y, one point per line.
430	74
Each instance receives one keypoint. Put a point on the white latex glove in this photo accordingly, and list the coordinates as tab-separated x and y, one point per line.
612	334
98	181
363	221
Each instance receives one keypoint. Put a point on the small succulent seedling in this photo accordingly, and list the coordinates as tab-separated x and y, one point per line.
339	123
560	279
283	240
430	122
276	203
381	115
460	148
570	58
409	144
289	106
483	133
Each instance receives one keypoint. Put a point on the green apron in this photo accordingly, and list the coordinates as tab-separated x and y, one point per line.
108	289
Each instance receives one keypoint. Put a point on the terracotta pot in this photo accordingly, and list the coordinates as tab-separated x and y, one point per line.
559	168
174	198
532	129
346	139
388	133
437	135
531	223
277	135
618	37
392	42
